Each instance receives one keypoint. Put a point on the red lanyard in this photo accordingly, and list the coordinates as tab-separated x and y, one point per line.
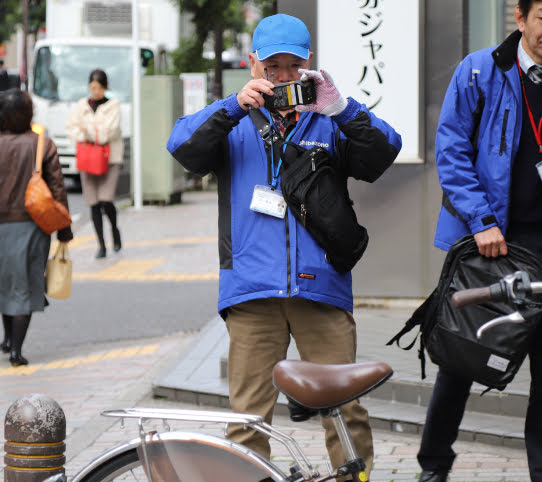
537	132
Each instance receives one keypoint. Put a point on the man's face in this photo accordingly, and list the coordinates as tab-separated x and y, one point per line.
531	28
280	67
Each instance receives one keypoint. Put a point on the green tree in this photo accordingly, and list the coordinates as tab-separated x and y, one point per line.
11	16
209	17
267	7
36	16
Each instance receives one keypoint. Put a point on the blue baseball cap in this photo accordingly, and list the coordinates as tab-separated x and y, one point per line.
281	34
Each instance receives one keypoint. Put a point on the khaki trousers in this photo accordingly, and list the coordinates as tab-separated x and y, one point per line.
260	333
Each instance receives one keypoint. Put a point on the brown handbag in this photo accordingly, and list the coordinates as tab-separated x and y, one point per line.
49	214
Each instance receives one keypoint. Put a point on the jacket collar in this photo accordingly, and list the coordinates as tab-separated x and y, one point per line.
505	54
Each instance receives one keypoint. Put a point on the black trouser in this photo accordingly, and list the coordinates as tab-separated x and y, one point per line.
451	392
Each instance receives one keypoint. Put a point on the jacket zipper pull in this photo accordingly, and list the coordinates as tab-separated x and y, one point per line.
312	162
304	215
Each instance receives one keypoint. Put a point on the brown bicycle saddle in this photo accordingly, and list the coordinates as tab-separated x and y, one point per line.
322	386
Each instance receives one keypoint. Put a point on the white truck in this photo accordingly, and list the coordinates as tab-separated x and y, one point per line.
83	35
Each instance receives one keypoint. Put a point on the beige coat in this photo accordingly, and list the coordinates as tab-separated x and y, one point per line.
83	123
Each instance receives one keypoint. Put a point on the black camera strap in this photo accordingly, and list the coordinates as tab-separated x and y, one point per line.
271	140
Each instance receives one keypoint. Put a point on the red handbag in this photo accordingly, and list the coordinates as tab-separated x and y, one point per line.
92	158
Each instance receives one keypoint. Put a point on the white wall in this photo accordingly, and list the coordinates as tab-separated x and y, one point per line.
379	42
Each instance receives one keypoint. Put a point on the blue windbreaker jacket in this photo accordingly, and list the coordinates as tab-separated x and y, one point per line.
477	141
262	256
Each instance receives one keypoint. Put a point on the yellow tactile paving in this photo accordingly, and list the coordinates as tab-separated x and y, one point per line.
75	243
137	270
89	242
123	270
62	364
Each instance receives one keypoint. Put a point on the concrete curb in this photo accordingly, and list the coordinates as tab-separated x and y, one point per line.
388	303
399	405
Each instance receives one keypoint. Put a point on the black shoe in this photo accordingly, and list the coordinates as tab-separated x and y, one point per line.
117	245
5	346
101	252
18	360
434	476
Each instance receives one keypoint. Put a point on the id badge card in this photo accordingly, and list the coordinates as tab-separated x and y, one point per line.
539	169
268	201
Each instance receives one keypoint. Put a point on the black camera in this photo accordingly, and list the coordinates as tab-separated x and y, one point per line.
290	94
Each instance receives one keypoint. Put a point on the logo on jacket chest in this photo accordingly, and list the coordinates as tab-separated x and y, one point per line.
314	143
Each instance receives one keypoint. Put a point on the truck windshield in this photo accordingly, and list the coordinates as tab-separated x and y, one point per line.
61	71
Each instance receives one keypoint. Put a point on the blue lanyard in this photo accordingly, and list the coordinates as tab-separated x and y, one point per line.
275	173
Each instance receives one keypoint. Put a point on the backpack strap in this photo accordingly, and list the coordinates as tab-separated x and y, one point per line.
271	139
397	338
421	357
420	317
263	126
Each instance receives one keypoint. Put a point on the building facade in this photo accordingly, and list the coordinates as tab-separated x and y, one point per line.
400	210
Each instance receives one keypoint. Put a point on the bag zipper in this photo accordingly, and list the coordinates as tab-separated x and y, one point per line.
304	215
288	263
304	211
301	165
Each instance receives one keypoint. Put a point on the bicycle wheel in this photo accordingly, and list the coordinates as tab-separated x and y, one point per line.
125	466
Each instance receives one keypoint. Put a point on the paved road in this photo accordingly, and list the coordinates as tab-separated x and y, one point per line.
163	281
75	199
120	375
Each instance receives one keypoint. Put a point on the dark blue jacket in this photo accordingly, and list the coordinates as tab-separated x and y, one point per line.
477	140
262	256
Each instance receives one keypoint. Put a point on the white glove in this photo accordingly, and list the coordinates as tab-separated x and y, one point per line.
329	100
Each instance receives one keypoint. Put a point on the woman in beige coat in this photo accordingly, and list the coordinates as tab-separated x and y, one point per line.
98	117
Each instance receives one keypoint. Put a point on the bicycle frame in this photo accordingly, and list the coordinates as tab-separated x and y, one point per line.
145	440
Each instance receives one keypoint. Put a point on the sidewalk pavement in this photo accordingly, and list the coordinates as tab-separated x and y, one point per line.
185	370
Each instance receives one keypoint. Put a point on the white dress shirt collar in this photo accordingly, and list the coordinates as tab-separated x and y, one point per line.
525	61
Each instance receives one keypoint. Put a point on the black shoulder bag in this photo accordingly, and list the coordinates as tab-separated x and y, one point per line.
449	334
317	195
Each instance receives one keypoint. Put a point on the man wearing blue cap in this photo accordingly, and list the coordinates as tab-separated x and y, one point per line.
275	280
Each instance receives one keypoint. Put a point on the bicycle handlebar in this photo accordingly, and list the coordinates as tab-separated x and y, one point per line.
513	288
471	296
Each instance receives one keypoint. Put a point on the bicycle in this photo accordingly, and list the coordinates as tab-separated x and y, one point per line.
311	388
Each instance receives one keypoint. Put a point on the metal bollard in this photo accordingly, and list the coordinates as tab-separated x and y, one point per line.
34	429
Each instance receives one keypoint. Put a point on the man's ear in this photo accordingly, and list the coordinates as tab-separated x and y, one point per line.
520	20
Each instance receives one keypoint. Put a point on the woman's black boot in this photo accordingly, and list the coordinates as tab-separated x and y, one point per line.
6	344
117	245
96	212
101	253
19	327
111	213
